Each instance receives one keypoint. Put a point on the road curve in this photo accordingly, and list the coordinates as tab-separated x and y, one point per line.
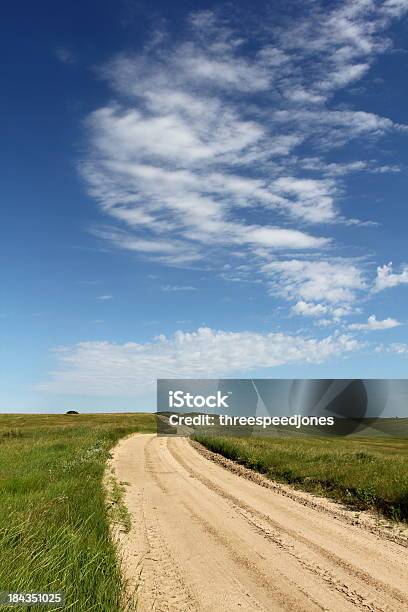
206	539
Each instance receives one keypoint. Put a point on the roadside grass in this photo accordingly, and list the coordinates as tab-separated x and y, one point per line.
54	523
119	514
367	473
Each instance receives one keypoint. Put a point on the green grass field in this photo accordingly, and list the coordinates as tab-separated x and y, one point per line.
365	472
54	532
54	522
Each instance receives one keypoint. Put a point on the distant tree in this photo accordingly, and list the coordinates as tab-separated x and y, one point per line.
72	412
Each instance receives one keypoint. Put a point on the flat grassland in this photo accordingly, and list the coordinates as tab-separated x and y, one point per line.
54	526
365	472
54	522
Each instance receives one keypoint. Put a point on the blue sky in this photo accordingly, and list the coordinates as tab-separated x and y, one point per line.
200	190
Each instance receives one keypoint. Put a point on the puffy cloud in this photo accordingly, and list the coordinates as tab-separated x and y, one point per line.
317	310
374	323
333	282
309	309
105	368
386	278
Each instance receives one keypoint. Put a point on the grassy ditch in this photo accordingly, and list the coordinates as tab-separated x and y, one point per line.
54	527
368	473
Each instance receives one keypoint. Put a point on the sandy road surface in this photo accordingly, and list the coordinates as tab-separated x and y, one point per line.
204	538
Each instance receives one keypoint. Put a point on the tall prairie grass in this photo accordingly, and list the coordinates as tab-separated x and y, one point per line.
54	527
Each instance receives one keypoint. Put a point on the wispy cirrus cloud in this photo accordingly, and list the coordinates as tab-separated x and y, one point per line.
65	55
176	288
213	150
328	129
343	168
334	47
105	297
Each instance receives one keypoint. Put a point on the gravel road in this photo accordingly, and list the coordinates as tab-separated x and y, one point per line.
205	538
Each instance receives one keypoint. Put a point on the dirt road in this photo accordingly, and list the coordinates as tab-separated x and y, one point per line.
204	538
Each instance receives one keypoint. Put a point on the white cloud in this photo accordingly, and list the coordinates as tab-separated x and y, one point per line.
338	44
213	150
65	55
386	278
105	297
309	309
334	282
332	128
316	310
225	73
280	238
324	322
167	251
386	168
334	169
146	178
373	323
175	154
399	348
312	200
344	311
178	288
104	368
